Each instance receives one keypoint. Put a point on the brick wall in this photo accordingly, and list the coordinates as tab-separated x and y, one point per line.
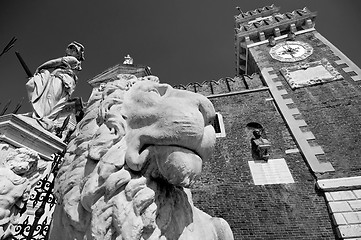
332	110
226	188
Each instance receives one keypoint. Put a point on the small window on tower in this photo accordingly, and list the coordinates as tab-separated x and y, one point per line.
219	125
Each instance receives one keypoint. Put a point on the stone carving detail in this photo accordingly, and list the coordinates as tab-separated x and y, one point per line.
128	60
50	88
127	171
312	73
260	146
18	172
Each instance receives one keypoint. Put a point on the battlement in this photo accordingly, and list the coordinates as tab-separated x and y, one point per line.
257	13
224	85
268	22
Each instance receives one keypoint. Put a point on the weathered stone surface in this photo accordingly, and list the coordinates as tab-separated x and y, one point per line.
310	73
342	195
339	206
18	173
22	131
339	219
345	207
357	193
133	181
349	231
353	217
340	183
355	205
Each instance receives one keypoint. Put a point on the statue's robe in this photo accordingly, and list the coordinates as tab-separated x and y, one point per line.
49	92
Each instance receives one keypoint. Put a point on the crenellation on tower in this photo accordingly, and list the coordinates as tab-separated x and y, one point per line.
259	26
254	14
224	85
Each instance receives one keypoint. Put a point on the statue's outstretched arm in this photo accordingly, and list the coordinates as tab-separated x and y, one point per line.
54	63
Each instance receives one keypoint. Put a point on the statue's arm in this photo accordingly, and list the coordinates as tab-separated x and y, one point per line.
69	62
54	63
72	62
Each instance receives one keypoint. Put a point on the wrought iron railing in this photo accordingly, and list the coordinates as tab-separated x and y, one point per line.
37	226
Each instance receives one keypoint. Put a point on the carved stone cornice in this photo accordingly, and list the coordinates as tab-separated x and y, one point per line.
23	131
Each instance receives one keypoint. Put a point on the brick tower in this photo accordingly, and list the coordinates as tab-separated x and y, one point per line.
287	158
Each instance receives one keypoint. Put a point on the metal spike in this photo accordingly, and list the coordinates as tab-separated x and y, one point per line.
9	45
5	108
18	106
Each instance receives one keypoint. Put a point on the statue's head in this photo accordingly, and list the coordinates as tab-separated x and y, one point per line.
75	49
170	127
136	134
22	161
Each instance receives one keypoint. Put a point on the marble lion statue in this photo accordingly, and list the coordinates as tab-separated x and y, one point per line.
130	163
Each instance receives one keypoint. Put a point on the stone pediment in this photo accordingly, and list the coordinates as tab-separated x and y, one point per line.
113	72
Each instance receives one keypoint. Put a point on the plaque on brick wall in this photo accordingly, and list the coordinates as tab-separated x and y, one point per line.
273	171
307	74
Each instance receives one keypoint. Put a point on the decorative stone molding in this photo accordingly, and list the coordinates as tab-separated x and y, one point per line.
343	196
310	152
350	66
312	73
22	131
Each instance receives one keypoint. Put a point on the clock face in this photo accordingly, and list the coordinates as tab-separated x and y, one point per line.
291	51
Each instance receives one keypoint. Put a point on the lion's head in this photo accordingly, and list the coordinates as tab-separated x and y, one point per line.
22	161
139	143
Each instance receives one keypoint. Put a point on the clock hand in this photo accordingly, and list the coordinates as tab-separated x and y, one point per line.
290	50
285	50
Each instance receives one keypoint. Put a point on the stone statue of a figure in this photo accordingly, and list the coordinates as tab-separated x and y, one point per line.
260	146
53	83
